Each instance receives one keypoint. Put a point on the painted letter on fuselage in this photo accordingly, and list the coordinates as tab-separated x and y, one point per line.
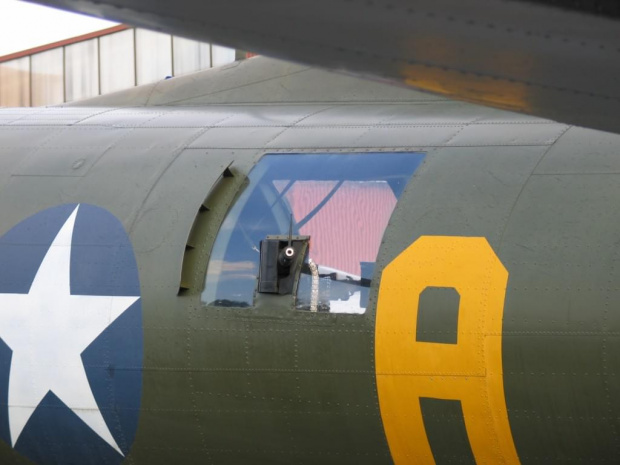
469	371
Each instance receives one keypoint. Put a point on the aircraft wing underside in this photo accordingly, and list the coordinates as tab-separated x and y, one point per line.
530	57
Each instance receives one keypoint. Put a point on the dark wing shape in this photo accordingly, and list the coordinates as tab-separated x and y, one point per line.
532	57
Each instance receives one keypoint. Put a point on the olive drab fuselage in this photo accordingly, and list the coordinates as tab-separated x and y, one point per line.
491	327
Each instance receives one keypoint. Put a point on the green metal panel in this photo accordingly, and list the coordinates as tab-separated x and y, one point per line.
273	385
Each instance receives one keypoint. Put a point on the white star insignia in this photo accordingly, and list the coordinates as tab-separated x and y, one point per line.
47	330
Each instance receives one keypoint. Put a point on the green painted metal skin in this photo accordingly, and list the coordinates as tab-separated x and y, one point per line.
272	385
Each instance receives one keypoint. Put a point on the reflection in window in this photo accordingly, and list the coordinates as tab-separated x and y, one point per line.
343	202
47	78
81	70
117	61
15	79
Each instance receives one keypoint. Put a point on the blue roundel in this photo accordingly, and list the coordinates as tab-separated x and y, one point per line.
71	343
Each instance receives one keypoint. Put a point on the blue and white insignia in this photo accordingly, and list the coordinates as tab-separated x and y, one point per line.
71	330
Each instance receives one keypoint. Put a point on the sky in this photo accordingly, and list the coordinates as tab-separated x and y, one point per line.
26	25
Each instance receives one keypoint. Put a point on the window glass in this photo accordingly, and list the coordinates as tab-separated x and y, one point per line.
117	61
153	56
82	70
190	56
15	79
222	55
342	201
47	78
